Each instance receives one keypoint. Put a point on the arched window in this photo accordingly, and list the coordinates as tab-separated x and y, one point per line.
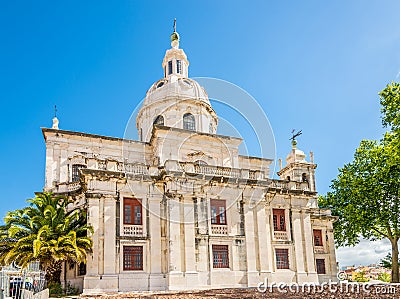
159	120
200	162
188	122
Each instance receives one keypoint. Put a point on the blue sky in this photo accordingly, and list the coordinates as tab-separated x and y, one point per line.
312	65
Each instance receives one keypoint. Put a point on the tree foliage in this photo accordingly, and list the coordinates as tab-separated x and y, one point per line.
386	262
390	106
45	231
365	195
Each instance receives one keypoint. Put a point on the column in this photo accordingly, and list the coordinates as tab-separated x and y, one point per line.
175	259
264	239
308	247
298	245
190	254
93	220
252	274
109	229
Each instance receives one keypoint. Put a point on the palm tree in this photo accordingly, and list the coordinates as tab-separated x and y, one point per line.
46	231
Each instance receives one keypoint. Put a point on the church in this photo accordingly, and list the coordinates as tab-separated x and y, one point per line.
180	208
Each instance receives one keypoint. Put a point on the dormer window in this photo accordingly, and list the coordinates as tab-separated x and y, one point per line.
189	122
170	67
159	120
179	66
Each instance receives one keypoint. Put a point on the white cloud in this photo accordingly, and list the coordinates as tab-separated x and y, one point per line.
364	253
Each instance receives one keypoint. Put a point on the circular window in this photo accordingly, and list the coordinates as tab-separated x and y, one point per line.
160	84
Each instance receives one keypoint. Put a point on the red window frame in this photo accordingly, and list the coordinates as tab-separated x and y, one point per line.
279	219
133	257
320	266
220	256
282	258
133	211
318	237
218	212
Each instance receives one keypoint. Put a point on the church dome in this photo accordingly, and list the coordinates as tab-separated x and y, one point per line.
176	88
176	101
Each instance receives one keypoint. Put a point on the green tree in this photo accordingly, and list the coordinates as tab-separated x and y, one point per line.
385	277
386	262
360	277
390	102
46	231
365	194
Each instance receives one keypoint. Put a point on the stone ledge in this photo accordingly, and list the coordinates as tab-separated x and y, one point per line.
373	291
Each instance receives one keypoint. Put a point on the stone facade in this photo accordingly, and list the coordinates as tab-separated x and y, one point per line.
181	208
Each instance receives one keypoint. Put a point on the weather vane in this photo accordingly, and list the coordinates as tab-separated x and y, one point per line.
294	135
55	110
175	25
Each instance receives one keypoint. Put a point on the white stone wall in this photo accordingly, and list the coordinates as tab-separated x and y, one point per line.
176	233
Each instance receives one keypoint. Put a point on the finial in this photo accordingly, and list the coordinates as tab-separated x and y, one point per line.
55	119
294	141
175	37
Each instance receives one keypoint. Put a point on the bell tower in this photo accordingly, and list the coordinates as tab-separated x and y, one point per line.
297	168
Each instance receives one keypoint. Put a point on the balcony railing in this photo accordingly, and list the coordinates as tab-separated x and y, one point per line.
67	187
281	235
133	230
219	229
319	249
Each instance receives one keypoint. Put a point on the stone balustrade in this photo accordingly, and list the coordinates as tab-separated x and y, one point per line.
133	230
281	235
189	168
219	229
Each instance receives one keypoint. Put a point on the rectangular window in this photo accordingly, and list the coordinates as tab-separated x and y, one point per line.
75	172
317	237
170	67
282	258
133	257
279	219
320	266
179	67
82	269
218	211
132	211
220	256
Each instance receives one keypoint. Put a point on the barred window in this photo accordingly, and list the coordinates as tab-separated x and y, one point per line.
220	256
189	122
132	211
75	171
159	120
133	257
279	219
317	237
320	266
282	258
